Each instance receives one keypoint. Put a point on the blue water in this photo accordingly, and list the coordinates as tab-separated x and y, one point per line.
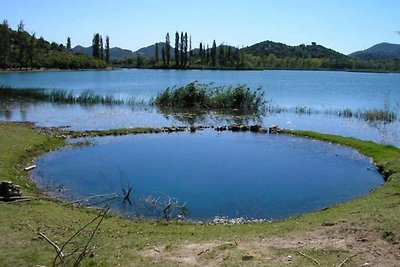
215	174
322	91
316	89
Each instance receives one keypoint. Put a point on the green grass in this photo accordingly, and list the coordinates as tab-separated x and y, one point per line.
123	242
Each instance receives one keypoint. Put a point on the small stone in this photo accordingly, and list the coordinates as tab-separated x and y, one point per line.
247	257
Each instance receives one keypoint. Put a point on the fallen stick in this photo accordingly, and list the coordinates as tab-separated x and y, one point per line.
308	257
203	251
345	260
57	248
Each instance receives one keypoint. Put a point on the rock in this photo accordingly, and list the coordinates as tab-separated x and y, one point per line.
247	257
263	130
8	189
235	128
255	128
274	129
221	128
244	128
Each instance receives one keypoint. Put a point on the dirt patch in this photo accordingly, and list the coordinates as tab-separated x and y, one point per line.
345	240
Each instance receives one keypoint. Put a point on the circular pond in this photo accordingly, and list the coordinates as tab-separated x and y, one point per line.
209	174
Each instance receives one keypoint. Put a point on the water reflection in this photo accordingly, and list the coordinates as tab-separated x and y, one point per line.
100	117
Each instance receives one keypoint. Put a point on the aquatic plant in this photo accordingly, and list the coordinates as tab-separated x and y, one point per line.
60	96
196	95
382	115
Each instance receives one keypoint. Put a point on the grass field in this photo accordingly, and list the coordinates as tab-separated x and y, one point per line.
366	230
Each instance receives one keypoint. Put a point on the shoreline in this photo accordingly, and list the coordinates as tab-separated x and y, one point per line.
32	70
375	222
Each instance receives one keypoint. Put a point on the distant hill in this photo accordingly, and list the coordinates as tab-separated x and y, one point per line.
382	51
119	53
115	52
281	50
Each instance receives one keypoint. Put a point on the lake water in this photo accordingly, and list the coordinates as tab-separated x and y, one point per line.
321	91
255	176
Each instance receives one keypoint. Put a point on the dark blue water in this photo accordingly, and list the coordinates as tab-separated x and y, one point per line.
229	174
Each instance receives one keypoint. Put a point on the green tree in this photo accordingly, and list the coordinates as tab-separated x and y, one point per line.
22	45
201	53
167	49
163	57
96	46
108	55
5	44
156	54
177	49
69	44
186	49
101	48
214	54
182	49
190	50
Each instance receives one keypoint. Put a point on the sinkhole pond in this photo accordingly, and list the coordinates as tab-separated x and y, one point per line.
207	175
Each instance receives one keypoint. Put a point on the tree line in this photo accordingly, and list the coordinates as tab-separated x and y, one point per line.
279	56
21	50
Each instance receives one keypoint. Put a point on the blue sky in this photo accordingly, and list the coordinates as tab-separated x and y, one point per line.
343	25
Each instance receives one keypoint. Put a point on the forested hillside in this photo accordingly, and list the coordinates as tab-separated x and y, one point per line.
21	50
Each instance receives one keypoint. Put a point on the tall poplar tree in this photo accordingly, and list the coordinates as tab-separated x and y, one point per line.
186	49
68	44
101	48
163	57
214	54
156	56
108	55
167	49
201	53
177	49
96	46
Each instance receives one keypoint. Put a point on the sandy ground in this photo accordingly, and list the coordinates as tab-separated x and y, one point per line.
352	244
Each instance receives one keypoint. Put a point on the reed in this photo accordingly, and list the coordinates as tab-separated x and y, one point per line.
196	95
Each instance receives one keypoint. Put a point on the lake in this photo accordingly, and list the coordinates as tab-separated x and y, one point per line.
254	176
325	93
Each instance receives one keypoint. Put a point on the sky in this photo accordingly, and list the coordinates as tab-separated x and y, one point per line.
343	25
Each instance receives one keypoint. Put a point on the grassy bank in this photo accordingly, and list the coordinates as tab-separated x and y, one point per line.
364	230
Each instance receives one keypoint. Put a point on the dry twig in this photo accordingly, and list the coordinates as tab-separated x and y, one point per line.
308	257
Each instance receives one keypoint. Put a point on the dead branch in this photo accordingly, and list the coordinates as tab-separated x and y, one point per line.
90	197
101	214
85	250
308	257
59	252
127	196
203	251
345	260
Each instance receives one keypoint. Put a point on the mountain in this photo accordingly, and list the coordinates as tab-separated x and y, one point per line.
115	52
82	50
382	51
119	53
281	50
